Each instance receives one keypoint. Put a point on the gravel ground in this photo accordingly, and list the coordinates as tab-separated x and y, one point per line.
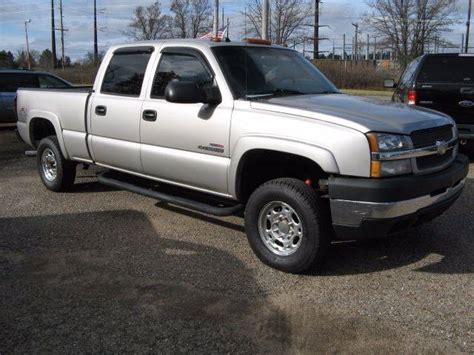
102	270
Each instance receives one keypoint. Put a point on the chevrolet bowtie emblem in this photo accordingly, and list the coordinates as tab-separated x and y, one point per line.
442	147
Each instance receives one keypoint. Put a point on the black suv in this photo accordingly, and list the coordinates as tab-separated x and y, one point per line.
11	80
442	82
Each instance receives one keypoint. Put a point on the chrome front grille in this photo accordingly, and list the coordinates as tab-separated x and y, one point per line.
431	138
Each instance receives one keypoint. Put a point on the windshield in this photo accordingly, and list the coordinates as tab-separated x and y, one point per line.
259	72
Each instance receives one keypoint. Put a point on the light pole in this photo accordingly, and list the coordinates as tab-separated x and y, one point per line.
27	44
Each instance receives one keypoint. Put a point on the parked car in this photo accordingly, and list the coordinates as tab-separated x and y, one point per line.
11	80
252	127
442	82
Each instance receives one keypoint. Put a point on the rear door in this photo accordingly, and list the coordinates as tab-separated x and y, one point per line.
9	84
446	84
116	107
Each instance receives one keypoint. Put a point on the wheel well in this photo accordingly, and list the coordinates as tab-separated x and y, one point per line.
259	166
40	128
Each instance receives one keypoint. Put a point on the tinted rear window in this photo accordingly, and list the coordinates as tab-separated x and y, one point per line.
11	82
448	70
125	73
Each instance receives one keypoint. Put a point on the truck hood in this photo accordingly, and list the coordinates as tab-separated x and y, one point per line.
362	114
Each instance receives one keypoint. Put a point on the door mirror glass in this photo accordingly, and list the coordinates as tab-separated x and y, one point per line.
188	92
389	84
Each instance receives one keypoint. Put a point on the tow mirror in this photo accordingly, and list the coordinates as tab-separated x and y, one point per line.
189	92
389	84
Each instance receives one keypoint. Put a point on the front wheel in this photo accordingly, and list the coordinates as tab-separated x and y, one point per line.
288	225
57	173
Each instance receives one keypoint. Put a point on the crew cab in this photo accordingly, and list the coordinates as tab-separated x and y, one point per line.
254	128
11	80
441	82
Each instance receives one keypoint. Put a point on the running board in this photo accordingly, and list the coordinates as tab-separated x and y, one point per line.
170	199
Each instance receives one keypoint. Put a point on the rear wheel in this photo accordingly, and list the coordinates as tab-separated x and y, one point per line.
288	225
57	173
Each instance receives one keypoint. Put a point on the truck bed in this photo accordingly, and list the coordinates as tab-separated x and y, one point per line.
66	108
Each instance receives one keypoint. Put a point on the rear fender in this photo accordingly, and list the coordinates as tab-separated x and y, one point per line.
54	121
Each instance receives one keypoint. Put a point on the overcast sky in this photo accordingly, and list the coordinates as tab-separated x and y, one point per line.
114	16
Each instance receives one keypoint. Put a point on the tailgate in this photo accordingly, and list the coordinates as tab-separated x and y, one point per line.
455	100
446	83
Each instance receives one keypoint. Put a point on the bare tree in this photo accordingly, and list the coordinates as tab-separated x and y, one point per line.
191	17
288	19
149	23
410	24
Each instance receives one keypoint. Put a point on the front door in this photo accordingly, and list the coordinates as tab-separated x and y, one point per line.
115	110
186	144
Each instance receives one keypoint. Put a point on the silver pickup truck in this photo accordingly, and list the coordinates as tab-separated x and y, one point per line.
253	128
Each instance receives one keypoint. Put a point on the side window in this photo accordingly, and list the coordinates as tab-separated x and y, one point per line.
46	81
409	73
125	74
183	67
11	82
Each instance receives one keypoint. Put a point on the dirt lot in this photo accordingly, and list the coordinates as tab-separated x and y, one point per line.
100	270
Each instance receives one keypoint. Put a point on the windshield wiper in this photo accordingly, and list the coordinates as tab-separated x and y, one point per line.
275	93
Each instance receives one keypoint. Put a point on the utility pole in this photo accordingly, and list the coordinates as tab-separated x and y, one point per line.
356	41
265	16
223	16
62	31
344	47
468	27
53	36
245	22
375	47
333	49
316	29
28	61
462	43
96	47
216	20
367	50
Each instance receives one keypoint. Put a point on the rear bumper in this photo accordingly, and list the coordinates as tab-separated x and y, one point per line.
367	208
466	131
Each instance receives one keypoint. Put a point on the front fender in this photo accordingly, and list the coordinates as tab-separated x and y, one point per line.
321	156
55	122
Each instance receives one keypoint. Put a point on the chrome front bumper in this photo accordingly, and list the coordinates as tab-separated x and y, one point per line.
353	213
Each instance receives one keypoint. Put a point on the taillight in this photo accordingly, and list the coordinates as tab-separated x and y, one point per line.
412	97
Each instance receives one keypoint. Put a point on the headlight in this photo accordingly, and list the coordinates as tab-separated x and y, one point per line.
388	143
383	142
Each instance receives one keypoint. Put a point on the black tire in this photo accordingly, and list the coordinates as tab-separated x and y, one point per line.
65	170
310	209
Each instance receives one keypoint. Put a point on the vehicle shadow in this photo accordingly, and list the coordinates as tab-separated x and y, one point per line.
450	236
108	282
90	186
205	218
